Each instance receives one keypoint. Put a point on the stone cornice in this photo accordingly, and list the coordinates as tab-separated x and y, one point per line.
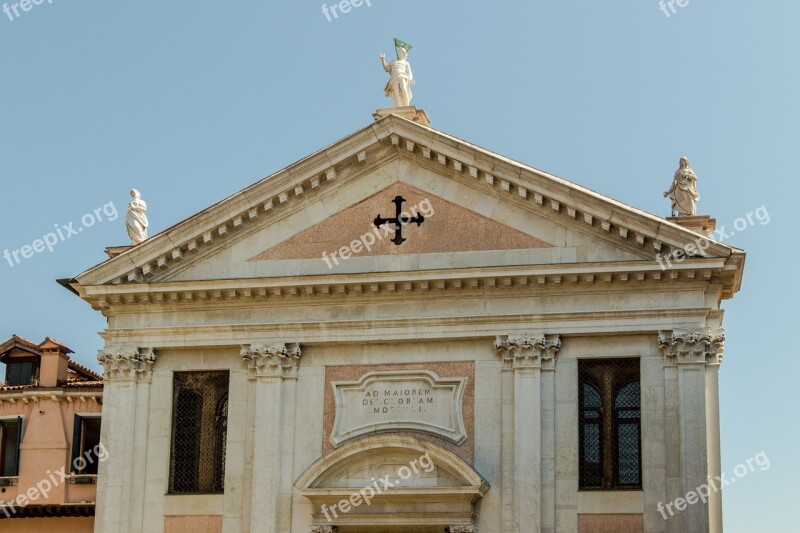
127	363
211	227
266	360
509	178
529	350
705	346
589	276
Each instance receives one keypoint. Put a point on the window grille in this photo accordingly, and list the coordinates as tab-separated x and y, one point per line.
221	427
609	399
199	432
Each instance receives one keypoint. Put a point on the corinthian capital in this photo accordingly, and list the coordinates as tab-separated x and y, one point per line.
699	346
127	362
270	360
528	350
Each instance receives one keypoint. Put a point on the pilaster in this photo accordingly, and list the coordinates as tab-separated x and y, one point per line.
532	358
128	372
269	365
693	358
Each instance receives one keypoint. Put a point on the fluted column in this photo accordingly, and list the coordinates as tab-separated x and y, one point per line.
269	365
531	357
691	352
126	392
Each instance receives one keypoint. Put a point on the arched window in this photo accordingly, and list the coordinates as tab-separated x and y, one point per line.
199	432
610	424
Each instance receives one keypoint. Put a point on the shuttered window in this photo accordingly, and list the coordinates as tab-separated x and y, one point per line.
10	441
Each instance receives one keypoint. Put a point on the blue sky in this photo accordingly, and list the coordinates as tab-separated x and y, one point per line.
192	101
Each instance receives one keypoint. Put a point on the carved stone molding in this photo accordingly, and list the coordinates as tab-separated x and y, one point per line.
699	346
324	529
127	362
272	360
462	529
527	350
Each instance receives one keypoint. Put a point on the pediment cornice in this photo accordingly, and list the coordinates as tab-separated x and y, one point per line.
390	138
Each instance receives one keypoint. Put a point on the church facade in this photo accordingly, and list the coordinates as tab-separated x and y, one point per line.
405	332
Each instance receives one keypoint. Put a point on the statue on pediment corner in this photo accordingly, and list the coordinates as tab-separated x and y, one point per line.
136	219
683	192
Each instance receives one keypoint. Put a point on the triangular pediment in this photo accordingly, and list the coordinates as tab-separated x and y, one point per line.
483	203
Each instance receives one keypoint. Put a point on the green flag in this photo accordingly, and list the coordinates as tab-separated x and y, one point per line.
400	44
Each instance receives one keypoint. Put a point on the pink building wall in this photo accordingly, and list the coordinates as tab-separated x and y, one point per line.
48	408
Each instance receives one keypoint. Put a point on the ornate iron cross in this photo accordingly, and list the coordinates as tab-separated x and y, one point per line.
399	220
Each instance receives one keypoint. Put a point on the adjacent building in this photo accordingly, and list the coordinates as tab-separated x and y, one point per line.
406	332
49	439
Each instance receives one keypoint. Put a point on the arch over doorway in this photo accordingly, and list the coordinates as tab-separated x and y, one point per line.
391	482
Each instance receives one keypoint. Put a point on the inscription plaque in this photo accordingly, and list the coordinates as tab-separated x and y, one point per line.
417	400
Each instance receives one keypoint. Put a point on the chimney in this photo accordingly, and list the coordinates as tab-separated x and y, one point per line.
53	369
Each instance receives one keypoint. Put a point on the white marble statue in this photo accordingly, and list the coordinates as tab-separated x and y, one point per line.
683	192
398	88
136	219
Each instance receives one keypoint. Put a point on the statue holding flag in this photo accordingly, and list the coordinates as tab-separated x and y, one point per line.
398	88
